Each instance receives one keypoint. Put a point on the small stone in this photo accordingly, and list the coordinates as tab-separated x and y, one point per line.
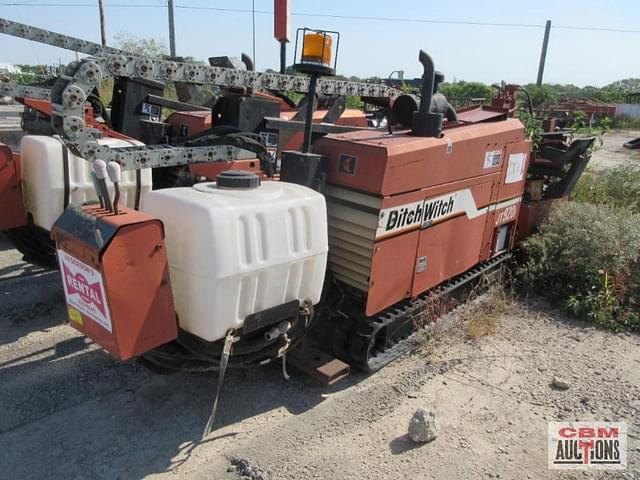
560	383
542	368
423	426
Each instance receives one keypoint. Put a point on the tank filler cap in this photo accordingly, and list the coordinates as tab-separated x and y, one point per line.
238	179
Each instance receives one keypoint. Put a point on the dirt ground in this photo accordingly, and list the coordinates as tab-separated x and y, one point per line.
70	411
612	153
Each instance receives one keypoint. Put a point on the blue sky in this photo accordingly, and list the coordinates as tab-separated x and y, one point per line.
372	47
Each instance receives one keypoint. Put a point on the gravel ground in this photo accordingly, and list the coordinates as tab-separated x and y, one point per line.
69	411
612	153
23	283
11	264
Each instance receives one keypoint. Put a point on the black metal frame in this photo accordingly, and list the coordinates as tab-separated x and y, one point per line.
312	68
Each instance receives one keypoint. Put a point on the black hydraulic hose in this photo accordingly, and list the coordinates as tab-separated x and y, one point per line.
530	100
248	62
95	99
451	114
236	139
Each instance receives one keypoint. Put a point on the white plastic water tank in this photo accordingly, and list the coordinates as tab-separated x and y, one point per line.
236	251
43	178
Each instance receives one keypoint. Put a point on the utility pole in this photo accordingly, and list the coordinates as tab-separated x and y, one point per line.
103	28
543	54
253	28
283	57
172	31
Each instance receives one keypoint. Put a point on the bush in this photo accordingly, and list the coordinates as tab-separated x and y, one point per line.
587	257
618	188
623	121
465	90
542	95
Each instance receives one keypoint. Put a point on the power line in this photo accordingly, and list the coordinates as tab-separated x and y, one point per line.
360	17
596	29
111	5
336	16
412	20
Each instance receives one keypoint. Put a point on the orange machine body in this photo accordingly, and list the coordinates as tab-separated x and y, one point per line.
407	213
350	117
44	107
12	210
116	278
187	124
535	213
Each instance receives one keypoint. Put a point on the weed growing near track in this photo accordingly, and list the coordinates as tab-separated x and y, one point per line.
618	188
587	258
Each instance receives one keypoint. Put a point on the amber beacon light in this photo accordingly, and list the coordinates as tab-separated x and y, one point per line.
314	51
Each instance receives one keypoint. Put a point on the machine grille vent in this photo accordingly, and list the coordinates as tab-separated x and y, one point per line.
352	219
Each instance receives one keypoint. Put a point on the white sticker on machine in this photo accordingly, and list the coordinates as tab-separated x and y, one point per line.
515	168
84	289
492	158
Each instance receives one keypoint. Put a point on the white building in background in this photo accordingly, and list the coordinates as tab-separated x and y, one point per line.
6	68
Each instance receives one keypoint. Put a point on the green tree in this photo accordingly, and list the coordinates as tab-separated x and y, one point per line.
542	95
149	47
466	90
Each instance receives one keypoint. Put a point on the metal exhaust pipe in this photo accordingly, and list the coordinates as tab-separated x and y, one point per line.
426	123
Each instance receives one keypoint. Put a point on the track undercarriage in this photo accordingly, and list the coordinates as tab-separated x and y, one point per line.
339	329
370	343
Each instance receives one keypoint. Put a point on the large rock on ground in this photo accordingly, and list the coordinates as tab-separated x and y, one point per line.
423	426
560	383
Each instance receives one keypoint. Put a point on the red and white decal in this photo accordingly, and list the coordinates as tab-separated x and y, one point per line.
587	446
425	213
84	289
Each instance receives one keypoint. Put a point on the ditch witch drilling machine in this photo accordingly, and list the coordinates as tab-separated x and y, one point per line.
360	226
347	244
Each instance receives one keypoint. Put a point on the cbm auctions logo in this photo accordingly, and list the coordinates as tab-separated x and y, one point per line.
587	445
